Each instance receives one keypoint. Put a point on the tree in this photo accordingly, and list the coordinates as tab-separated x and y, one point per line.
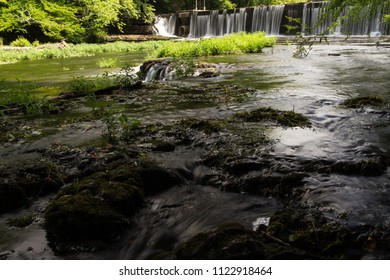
53	19
72	20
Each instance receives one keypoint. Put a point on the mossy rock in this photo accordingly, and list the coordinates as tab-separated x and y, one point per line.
19	185
284	118
156	179
81	217
229	241
364	101
23	221
92	210
207	126
12	197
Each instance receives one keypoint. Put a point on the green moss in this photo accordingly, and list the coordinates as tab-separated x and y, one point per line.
364	101
285	118
207	126
23	221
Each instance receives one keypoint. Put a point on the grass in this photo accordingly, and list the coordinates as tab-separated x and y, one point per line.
232	44
81	50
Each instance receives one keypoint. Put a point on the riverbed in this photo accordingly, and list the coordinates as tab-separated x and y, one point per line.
314	87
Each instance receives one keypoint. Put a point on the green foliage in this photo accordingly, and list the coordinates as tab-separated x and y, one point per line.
231	44
73	20
128	126
184	67
303	44
127	77
82	86
21	42
24	98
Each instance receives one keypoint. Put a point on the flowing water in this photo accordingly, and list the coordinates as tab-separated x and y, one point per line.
314	86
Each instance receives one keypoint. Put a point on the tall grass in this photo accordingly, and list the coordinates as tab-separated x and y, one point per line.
80	50
231	44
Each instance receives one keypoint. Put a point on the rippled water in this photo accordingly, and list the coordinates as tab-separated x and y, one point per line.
314	86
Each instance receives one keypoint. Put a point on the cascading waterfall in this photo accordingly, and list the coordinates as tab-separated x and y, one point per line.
166	25
267	19
368	23
217	24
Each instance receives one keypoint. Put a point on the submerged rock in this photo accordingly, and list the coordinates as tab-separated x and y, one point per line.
235	242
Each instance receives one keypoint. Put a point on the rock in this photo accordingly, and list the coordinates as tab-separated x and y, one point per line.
19	185
22	222
94	209
233	242
229	241
156	179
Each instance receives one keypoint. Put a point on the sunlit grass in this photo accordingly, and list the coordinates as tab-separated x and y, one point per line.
80	50
231	44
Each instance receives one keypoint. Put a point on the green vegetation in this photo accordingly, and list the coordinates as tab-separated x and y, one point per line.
76	21
107	63
80	50
231	44
285	118
24	98
207	126
21	42
364	101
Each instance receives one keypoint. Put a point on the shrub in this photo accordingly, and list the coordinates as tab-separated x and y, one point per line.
21	42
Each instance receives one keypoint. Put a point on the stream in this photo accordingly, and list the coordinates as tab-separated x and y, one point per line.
314	86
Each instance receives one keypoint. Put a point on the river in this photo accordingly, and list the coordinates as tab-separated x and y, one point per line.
314	86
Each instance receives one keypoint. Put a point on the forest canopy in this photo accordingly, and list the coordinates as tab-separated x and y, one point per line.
88	20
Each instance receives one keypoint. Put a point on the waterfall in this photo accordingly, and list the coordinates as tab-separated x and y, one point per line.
198	25
217	24
368	23
165	24
160	70
271	20
267	19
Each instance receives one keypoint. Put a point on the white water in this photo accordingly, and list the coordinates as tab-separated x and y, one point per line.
367	24
166	25
267	19
217	24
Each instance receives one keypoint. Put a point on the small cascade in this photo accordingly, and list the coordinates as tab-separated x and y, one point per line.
166	24
160	70
267	19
